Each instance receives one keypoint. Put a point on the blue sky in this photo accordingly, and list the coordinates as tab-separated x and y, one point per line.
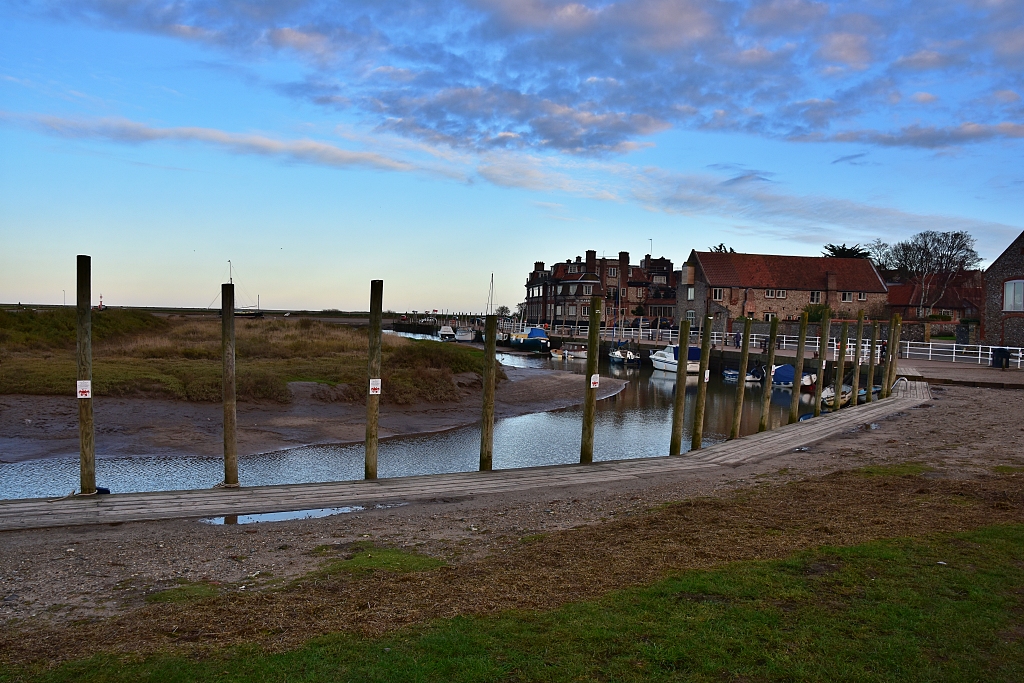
318	145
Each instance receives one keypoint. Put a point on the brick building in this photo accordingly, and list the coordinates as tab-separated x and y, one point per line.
561	294
731	285
963	297
1003	322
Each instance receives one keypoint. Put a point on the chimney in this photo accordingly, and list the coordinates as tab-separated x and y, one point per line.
538	266
578	259
623	264
591	261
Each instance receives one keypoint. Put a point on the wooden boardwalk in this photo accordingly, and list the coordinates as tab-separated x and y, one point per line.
130	507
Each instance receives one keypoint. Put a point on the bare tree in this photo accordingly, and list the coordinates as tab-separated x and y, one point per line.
933	257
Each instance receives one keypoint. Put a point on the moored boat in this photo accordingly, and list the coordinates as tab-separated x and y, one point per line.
668	358
732	375
828	394
465	334
570	351
783	377
446	333
623	357
533	339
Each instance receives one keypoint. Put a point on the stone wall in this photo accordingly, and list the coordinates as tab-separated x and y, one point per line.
1004	328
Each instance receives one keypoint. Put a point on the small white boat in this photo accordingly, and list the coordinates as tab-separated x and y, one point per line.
447	333
730	375
465	334
570	351
828	395
668	359
624	356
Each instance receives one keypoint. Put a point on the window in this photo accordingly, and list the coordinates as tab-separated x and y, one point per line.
659	279
560	289
716	294
689	292
612	272
768	317
558	310
572	289
769	294
692	317
572	310
1013	295
584	310
815	297
780	294
622	293
588	290
846	297
572	269
862	296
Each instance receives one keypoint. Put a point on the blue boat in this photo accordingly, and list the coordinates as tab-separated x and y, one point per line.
533	339
783	376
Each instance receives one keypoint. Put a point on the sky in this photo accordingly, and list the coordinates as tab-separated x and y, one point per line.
319	145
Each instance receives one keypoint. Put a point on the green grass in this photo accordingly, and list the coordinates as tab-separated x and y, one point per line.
903	469
883	611
185	592
1007	469
365	558
56	329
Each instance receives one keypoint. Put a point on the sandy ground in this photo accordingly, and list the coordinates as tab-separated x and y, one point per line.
62	587
47	426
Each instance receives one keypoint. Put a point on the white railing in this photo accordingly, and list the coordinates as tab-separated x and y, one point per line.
977	354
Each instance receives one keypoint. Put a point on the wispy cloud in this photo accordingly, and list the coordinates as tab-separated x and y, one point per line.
593	77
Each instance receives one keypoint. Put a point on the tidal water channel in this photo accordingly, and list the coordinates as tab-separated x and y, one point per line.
635	423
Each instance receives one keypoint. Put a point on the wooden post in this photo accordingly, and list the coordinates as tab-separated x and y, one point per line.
741	381
798	370
487	419
894	365
679	403
86	428
373	367
697	433
592	381
886	362
766	396
227	351
837	400
826	323
856	355
872	361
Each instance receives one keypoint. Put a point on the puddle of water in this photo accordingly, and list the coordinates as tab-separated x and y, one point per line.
281	516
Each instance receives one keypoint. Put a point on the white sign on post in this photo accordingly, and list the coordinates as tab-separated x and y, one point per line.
595	381
374	387
84	388
707	375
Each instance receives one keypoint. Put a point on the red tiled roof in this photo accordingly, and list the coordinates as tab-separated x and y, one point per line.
763	271
963	291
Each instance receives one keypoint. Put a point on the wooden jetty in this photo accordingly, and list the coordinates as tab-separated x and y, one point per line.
132	507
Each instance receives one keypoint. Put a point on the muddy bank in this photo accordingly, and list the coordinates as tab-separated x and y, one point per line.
47	426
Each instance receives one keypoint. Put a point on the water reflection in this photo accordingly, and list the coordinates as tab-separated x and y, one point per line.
635	423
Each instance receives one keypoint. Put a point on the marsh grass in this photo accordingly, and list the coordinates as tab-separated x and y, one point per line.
185	591
139	354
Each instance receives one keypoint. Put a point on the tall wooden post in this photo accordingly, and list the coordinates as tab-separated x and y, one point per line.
837	400
697	433
857	344
86	428
766	396
887	360
679	400
798	370
227	351
819	382
487	418
872	361
592	381
894	364
373	368
741	381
